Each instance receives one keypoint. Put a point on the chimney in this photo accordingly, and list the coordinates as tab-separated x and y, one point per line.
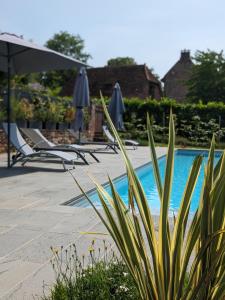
185	56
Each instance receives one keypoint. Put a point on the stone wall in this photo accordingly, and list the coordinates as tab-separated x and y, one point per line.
56	136
175	80
94	131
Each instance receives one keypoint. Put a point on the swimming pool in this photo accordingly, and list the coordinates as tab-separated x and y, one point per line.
182	164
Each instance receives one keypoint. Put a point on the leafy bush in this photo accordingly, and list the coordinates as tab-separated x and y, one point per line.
159	261
21	110
69	114
159	109
2	114
194	123
104	277
30	105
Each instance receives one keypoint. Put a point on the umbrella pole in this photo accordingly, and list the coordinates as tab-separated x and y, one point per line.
8	103
79	135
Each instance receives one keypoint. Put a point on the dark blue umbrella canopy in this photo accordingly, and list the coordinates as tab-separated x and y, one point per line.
116	107
81	98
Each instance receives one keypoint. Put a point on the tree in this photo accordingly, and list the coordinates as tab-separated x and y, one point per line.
121	61
68	44
207	81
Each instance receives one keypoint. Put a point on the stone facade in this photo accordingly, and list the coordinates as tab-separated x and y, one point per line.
175	79
134	80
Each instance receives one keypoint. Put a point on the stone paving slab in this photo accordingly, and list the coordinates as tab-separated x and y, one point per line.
13	273
14	239
44	219
80	221
38	250
32	286
4	229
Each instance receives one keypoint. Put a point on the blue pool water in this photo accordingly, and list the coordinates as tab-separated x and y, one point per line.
182	164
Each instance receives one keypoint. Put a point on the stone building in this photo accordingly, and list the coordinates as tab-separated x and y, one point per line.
134	80
175	79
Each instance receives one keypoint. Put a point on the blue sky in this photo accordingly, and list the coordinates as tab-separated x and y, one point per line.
152	32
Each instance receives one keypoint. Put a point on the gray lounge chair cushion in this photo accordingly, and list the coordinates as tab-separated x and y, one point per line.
112	139
21	145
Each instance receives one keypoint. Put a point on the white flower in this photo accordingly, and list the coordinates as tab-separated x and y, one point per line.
125	274
123	288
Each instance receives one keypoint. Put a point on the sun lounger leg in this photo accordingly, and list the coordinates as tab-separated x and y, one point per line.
24	162
64	166
82	157
112	147
95	158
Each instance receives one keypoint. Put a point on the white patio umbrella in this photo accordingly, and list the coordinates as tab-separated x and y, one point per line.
18	56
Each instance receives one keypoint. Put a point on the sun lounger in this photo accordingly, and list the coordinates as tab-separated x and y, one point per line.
42	143
25	153
109	136
108	145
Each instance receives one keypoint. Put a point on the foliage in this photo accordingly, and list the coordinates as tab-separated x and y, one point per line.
194	123
207	80
32	105
121	61
69	114
54	111
192	132
104	277
159	261
70	45
2	114
200	133
40	112
160	110
22	110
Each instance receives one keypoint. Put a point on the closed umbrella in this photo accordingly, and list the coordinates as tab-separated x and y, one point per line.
81	99
116	107
18	56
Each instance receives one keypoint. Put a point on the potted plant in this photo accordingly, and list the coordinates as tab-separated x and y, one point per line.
24	112
61	108
69	115
54	114
39	115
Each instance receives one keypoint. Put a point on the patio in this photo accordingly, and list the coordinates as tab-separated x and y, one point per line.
32	218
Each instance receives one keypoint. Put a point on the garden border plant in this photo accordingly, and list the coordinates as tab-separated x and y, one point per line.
159	264
99	275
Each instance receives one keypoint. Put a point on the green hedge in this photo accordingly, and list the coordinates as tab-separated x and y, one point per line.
138	108
195	123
